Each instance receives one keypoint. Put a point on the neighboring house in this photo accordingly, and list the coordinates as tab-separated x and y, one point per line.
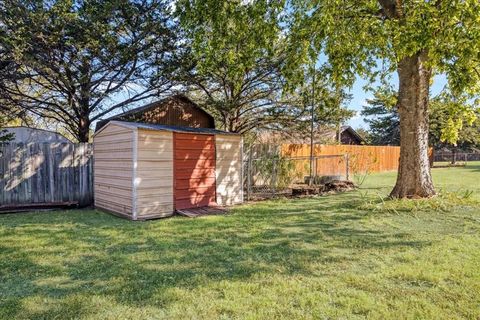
350	136
177	110
331	136
324	135
33	135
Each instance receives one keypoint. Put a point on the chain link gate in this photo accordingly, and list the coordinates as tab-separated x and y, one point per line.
268	174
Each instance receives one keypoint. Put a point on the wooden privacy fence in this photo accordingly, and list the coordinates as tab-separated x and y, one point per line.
45	174
361	158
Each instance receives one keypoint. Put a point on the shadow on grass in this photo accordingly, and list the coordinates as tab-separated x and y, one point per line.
138	263
475	168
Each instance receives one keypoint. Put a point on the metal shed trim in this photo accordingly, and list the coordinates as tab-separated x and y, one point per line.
134	174
118	123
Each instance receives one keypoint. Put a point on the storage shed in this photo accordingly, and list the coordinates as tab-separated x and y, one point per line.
145	171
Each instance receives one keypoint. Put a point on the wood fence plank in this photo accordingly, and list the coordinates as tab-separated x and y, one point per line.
39	174
361	158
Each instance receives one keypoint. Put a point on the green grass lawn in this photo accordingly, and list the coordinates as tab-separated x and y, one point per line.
341	256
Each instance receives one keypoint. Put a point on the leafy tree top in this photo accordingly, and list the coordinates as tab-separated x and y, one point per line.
230	33
76	61
356	34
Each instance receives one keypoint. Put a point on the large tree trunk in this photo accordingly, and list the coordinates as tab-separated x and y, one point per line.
83	130
414	178
454	155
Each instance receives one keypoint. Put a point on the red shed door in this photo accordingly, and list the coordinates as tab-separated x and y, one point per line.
194	166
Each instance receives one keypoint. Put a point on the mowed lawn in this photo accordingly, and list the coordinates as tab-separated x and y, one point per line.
349	256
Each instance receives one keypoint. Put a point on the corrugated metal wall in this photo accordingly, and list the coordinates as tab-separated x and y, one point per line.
229	169
148	174
154	174
113	173
194	170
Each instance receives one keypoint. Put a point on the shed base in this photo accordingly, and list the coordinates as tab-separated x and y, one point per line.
139	218
202	211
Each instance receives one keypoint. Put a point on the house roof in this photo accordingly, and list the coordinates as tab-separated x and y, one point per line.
152	105
352	131
162	127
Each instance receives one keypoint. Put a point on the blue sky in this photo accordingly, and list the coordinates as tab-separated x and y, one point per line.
360	96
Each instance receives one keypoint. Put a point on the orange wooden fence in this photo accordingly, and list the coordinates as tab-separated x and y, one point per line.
361	158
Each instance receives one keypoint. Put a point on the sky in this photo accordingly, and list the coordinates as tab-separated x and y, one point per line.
360	96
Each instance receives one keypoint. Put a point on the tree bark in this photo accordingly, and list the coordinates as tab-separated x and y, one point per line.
83	129
414	179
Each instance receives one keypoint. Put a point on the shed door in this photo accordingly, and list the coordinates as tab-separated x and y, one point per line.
194	166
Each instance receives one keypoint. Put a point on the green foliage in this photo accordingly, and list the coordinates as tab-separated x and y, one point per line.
382	117
77	61
454	121
328	101
5	136
280	171
355	35
234	61
232	35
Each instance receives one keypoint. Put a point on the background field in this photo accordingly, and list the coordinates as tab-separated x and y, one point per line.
350	256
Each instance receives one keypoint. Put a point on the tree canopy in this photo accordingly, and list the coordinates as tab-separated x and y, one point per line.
77	61
235	60
453	121
371	37
323	103
417	39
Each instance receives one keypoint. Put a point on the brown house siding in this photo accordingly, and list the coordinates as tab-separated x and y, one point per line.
347	137
174	111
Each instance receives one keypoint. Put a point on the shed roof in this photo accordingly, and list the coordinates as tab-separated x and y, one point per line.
162	127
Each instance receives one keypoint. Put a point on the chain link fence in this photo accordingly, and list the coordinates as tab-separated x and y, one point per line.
455	157
268	174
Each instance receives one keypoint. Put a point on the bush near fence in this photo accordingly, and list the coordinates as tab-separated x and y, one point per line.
268	173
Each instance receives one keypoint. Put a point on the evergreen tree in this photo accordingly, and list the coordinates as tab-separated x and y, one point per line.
76	61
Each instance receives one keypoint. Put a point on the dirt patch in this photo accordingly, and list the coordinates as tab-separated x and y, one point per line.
339	186
330	187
